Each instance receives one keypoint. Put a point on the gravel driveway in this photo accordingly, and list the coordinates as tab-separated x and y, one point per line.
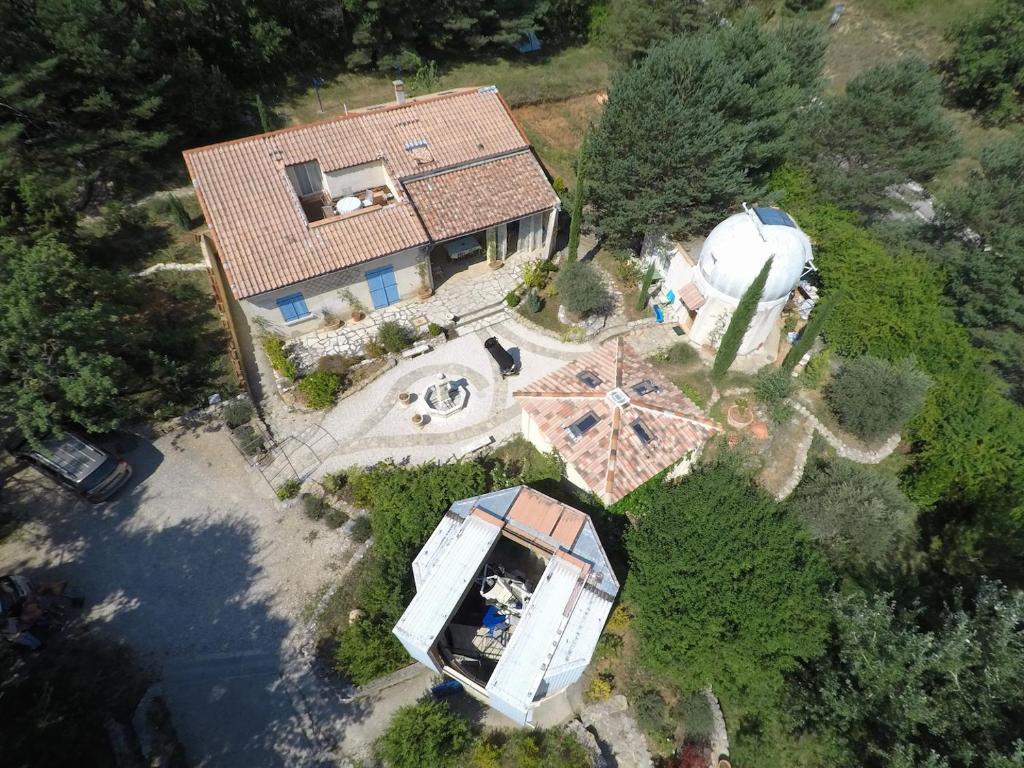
205	574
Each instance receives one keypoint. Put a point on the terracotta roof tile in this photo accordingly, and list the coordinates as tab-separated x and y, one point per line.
469	199
610	457
262	234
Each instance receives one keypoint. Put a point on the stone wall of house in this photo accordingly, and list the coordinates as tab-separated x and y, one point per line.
326	292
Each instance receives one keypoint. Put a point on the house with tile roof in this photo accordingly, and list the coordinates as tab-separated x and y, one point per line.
513	589
614	420
370	205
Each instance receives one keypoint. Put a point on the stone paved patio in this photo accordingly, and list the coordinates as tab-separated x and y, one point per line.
475	296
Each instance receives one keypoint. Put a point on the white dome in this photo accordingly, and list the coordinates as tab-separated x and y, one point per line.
737	249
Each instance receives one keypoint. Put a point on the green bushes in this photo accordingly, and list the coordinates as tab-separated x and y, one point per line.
512	299
536	273
533	302
652	714
273	347
680	354
859	514
816	371
422	734
335	518
367	650
434	329
320	389
393	337
873	398
176	209
238	412
335	483
582	290
249	441
314	506
361	529
289	489
773	386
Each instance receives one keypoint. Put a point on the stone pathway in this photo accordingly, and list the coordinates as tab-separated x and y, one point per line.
170	266
843	449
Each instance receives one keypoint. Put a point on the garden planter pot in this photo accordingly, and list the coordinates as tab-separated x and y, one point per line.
723	763
357	316
425	293
404	399
419	419
496	264
739	417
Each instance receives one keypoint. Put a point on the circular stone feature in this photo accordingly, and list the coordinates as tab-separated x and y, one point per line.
443	398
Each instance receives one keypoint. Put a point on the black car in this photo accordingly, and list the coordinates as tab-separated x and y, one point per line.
89	471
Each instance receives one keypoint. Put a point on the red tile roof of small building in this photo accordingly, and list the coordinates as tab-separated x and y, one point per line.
262	235
610	457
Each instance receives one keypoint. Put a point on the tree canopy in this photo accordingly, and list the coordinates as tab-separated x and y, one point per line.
725	587
986	284
896	693
888	127
858	514
697	125
985	70
873	398
426	733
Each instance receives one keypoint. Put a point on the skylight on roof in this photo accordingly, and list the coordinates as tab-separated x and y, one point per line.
642	432
645	387
589	378
774	216
582	425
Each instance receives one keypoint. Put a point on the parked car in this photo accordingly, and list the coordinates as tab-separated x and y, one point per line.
90	471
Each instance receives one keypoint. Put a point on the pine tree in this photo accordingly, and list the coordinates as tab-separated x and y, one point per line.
809	333
572	251
740	322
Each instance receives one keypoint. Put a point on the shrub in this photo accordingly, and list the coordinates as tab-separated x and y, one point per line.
367	650
289	489
772	386
816	371
314	506
361	529
249	440
176	209
320	389
804	5
873	398
434	329
512	299
238	412
339	365
652	713
335	518
608	646
374	348
426	733
582	290
535	273
335	482
810	332
627	270
394	337
619	620
697	718
859	514
600	689
273	347
680	354
553	748
533	303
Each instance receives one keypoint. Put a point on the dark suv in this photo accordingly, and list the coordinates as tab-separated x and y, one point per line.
89	471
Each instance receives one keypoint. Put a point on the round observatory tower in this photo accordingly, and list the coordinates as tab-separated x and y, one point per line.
730	260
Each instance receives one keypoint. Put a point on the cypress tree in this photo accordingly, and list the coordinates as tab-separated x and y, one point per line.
577	204
809	333
740	322
264	115
641	299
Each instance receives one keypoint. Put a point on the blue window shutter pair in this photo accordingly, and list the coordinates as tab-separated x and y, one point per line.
292	307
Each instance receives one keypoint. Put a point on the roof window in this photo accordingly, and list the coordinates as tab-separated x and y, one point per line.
582	425
642	432
589	378
645	387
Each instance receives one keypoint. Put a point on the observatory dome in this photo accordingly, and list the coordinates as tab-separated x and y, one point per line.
737	249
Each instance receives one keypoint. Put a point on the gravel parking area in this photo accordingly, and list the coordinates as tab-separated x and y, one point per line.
205	575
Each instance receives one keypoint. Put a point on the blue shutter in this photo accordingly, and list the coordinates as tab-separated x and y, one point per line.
292	307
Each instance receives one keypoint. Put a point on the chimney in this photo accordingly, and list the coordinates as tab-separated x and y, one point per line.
399	91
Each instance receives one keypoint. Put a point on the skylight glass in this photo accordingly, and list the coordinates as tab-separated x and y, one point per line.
582	425
642	432
589	378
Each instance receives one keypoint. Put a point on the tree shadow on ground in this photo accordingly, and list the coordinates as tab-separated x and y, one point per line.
185	589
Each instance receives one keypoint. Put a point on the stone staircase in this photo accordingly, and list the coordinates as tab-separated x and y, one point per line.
617	733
